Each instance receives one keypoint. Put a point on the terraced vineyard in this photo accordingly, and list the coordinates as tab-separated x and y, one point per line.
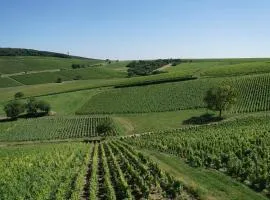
240	148
83	171
253	95
51	128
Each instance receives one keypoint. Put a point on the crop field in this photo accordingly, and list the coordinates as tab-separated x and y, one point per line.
15	64
43	171
240	148
253	95
51	128
7	82
69	75
90	171
222	68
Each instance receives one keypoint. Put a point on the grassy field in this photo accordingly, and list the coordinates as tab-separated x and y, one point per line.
15	64
253	95
157	121
69	103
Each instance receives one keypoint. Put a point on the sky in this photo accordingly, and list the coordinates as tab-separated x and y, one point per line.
138	29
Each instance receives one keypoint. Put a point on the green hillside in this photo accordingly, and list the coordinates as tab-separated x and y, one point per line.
15	60
253	95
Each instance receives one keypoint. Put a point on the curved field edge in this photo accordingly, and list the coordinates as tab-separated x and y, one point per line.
239	148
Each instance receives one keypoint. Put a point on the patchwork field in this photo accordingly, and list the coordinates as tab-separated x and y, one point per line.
163	142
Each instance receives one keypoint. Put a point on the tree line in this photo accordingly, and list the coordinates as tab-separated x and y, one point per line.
148	67
30	52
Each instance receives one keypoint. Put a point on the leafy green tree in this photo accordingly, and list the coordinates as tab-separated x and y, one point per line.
220	98
32	106
18	95
44	106
13	109
104	128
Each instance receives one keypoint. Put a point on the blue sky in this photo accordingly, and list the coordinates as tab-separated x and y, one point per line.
139	29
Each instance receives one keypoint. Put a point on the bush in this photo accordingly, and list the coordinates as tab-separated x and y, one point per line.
77	77
58	80
18	95
104	128
44	106
32	106
14	109
76	66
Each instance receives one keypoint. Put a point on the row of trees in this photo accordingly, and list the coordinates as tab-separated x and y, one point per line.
32	106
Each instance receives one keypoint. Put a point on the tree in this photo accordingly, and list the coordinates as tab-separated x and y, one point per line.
44	106
32	106
104	128
220	98
18	95
13	109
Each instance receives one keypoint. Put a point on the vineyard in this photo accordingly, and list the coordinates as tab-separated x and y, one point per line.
253	95
51	128
89	171
240	148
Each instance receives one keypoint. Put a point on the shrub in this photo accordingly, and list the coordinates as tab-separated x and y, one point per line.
18	95
44	106
58	80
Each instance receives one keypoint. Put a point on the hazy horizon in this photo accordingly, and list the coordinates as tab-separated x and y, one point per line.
139	30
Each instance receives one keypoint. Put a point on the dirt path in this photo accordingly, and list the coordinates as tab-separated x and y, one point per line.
164	67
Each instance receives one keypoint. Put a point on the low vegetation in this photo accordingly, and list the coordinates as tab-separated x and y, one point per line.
239	148
52	128
113	171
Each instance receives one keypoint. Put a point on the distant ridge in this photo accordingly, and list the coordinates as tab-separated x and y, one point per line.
33	52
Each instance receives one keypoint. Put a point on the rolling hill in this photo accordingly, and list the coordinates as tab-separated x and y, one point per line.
163	142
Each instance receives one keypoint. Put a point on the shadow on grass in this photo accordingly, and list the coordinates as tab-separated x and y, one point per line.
203	119
24	116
